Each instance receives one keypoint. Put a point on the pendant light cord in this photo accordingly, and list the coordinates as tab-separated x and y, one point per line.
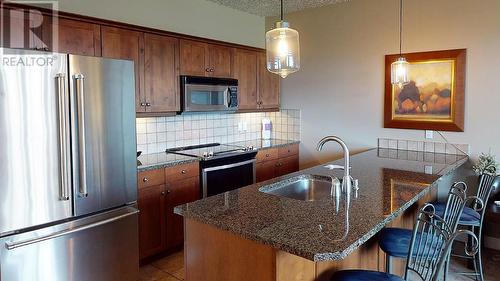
281	10
400	27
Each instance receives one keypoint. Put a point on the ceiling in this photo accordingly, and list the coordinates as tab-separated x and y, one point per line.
272	7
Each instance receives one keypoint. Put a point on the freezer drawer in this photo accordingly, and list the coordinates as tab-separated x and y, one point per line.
101	247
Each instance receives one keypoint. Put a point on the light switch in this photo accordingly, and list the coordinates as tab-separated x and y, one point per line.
429	134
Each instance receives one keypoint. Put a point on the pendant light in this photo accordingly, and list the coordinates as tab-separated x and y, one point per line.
282	48
400	68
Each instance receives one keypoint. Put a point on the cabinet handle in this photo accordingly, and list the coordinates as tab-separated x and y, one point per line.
145	179
183	171
211	70
148	104
143	104
163	193
267	155
168	191
207	69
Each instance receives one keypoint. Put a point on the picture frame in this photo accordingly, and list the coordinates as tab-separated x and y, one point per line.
434	99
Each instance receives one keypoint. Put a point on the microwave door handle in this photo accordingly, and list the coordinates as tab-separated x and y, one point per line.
227	97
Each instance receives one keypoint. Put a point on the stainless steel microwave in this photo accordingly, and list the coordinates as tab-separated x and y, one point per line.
206	94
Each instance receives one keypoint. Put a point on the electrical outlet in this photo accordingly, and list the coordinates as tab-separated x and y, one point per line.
428	170
245	126
240	126
429	134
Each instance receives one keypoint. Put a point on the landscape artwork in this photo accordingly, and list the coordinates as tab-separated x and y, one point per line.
434	97
429	93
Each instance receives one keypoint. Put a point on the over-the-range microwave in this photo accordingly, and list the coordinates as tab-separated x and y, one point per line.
208	94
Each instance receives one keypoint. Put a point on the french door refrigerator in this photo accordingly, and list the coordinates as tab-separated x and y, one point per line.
68	187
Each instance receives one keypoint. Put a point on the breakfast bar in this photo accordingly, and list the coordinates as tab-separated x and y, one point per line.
251	234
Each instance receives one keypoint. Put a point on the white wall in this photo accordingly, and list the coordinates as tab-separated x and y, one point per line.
194	17
340	87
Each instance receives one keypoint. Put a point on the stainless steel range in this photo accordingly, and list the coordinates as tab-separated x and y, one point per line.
223	167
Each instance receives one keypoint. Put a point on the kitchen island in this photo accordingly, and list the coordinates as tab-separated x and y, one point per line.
247	234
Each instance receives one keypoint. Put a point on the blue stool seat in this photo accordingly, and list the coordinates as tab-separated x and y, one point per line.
364	275
469	216
396	241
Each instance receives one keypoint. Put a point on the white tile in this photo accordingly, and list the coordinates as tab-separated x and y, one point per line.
161	127
420	146
439	147
152	148
151	138
428	146
170	126
151	128
450	149
140	121
179	135
393	144
170	136
142	139
413	145
143	148
187	125
179	125
161	137
402	145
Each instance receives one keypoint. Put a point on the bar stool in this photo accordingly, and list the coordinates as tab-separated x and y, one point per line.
472	218
430	245
395	242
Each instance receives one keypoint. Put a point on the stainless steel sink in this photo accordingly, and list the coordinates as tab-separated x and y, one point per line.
304	187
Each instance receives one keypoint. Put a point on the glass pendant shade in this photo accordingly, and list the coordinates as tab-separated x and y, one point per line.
282	47
399	72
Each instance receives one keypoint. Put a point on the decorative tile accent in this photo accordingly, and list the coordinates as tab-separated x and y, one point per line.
432	147
159	133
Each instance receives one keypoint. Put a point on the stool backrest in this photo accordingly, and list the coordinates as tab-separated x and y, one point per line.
486	184
457	197
427	246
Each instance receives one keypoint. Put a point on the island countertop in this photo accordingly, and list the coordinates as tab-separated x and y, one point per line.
390	181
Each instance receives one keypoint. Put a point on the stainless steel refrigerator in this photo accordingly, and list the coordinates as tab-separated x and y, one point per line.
68	187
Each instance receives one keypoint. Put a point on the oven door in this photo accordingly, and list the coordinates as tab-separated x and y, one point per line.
203	98
220	179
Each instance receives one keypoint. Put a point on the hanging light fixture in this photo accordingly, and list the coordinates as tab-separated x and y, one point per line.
400	68
282	48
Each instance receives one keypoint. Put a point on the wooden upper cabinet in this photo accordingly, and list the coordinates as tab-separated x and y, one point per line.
161	72
245	70
193	58
220	61
269	86
21	30
120	43
203	59
71	36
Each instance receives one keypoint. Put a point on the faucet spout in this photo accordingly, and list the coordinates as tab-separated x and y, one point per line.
346	180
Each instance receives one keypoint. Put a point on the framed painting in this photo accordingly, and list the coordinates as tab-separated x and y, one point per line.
434	97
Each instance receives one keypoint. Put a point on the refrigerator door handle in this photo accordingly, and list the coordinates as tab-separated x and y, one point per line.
64	155
80	97
14	245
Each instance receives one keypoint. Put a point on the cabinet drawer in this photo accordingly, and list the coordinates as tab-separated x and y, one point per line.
288	150
181	172
150	178
267	154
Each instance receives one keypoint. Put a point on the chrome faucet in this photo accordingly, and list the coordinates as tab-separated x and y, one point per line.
346	180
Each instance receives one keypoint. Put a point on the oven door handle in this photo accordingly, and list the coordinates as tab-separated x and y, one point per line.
224	167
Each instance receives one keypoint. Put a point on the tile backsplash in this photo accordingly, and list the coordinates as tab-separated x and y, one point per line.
156	134
425	146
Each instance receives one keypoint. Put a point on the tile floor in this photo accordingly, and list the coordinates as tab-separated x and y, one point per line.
171	268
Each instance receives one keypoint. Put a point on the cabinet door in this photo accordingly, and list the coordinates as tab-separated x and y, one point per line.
266	170
178	193
161	71
21	30
269	86
245	70
193	59
72	37
288	165
220	61
152	220
120	43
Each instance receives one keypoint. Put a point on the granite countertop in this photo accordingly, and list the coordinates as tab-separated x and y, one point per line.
390	181
162	160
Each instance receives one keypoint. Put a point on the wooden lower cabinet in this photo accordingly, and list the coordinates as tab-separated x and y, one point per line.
178	193
152	220
160	191
276	162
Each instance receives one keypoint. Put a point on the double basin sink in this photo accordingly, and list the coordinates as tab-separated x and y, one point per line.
304	187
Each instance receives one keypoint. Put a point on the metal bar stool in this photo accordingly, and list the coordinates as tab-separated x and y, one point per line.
395	242
430	245
472	218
